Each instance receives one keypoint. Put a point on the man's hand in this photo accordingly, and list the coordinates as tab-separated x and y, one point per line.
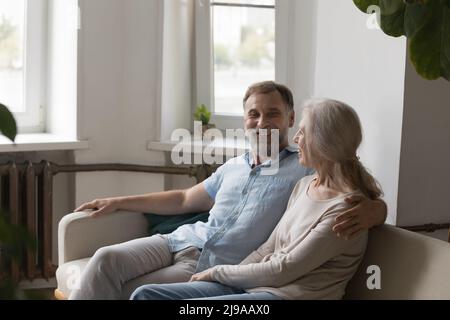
364	215
100	206
202	276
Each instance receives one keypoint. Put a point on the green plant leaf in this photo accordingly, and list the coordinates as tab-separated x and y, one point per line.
416	15
8	125
389	7
14	239
363	5
8	290
426	24
393	25
393	17
430	46
204	119
202	114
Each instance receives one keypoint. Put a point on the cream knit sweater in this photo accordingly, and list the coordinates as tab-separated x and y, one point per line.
303	258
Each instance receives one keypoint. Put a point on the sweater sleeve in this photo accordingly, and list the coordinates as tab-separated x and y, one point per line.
265	249
297	190
319	246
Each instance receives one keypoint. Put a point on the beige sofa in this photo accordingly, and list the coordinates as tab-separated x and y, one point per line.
412	266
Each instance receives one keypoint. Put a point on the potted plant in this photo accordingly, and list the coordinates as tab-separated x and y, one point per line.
203	115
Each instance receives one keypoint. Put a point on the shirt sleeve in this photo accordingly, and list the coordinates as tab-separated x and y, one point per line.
318	247
212	183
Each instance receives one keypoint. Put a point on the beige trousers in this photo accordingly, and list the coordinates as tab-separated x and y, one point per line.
114	272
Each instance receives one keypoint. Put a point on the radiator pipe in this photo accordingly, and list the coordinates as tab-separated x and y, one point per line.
14	211
30	185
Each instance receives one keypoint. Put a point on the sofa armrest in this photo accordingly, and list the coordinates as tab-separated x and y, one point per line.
79	235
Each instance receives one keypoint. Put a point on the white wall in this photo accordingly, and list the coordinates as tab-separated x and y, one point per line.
62	71
366	69
118	94
302	58
296	49
177	67
424	167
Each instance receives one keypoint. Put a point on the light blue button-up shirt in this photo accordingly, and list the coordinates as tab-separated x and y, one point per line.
248	206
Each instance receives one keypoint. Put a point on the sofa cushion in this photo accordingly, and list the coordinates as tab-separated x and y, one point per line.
158	224
412	266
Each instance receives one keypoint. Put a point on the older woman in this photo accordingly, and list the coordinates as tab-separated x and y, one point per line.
303	258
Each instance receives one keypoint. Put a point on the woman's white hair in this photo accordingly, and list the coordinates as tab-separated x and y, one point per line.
333	135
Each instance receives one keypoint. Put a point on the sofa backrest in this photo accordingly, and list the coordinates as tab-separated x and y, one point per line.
412	266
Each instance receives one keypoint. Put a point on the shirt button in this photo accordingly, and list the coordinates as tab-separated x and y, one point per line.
244	192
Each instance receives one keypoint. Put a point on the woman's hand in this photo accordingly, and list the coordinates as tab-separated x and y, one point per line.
203	276
100	206
364	215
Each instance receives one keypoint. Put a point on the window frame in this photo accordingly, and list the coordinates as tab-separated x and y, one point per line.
205	64
32	120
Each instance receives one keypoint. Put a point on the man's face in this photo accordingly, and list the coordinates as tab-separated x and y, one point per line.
269	111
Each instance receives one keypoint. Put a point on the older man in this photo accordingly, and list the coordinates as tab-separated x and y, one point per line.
245	206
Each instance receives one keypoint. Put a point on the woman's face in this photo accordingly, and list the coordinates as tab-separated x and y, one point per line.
299	139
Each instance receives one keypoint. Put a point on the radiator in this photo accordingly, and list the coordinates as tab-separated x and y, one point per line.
26	192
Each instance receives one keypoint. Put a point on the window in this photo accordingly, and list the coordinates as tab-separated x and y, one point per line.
235	48
22	62
243	50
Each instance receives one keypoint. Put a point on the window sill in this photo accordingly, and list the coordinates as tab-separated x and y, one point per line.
40	142
220	146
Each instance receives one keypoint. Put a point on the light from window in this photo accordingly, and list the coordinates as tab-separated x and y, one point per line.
243	48
12	62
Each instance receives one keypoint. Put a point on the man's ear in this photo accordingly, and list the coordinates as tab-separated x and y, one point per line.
291	119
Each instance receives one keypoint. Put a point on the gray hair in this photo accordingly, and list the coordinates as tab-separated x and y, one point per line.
333	135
